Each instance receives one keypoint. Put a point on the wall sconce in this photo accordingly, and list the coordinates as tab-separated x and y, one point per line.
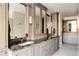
30	19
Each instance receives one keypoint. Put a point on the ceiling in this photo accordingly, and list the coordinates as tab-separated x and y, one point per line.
66	9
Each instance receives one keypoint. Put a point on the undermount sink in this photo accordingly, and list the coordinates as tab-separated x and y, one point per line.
26	43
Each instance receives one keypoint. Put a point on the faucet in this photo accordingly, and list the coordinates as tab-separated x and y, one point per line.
24	39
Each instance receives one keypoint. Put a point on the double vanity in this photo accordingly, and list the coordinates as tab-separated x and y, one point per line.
32	19
36	48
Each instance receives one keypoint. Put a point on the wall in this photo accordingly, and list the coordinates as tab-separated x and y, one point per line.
49	23
60	29
78	32
37	19
54	23
3	43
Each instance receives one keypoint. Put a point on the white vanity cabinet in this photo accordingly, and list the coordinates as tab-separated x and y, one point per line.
27	51
36	49
40	49
56	44
3	53
51	47
45	48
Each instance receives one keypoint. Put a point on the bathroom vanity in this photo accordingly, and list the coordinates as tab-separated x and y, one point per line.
31	19
42	48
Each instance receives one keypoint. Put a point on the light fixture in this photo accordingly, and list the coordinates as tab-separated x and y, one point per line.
30	19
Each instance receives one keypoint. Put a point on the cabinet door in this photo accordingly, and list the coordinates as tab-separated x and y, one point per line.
43	48
56	44
3	53
2	27
36	49
51	46
47	53
28	51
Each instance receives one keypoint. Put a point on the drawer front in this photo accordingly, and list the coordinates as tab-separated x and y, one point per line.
24	52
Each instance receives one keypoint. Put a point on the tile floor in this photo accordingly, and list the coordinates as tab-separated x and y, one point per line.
67	50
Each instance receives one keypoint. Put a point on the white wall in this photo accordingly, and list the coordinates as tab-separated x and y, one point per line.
2	26
78	32
3	44
60	29
49	23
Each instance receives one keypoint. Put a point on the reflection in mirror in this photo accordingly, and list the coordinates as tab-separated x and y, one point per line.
17	17
37	19
43	21
54	31
70	26
30	21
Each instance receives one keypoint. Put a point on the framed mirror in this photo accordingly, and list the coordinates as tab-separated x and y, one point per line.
43	21
17	18
55	17
37	20
17	21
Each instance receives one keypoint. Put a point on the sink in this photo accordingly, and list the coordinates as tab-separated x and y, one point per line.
26	43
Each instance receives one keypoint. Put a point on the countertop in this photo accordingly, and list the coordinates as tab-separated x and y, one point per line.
17	47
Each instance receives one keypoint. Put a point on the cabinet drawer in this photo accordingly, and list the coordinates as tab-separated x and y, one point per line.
24	52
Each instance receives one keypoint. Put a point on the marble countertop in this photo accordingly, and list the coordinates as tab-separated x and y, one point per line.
17	47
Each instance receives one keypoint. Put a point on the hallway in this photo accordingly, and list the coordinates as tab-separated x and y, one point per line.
67	50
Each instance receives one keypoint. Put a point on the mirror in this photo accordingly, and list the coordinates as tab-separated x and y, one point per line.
30	21
55	24
43	21
37	20
17	18
54	31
